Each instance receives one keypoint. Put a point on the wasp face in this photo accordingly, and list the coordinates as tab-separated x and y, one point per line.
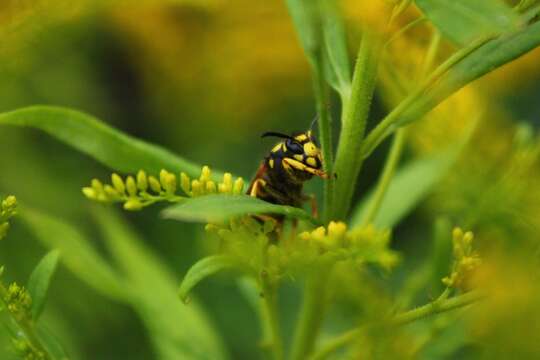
299	156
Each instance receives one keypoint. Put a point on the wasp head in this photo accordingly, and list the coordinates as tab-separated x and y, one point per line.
298	154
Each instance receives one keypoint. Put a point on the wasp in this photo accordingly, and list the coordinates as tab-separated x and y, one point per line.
281	175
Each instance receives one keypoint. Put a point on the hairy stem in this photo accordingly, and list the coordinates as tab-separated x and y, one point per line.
325	135
354	118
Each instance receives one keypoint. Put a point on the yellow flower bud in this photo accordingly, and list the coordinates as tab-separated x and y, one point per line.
163	177
97	185
154	184
227	182
133	204
318	233
142	180
196	189
9	202
118	183
111	192
337	229
211	187
238	186
169	183
89	193
184	183
205	174
468	238
222	189
131	186
457	234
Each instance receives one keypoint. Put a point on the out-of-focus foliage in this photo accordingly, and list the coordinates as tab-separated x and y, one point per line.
204	79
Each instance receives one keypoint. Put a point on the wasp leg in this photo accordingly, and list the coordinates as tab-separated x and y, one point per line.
303	167
255	188
313	203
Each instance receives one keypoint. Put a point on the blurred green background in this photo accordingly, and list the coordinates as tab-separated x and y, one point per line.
205	79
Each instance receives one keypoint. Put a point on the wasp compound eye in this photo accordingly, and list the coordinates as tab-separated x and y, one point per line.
294	147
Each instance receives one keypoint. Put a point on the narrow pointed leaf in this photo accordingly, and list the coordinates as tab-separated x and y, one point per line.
177	331
40	280
335	43
77	252
463	21
212	208
410	185
304	15
204	268
93	137
482	58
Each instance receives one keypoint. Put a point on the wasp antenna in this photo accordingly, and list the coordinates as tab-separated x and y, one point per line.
276	134
314	121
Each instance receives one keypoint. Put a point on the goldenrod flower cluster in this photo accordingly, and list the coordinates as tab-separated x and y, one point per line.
17	300
254	245
26	351
360	245
142	190
465	259
8	209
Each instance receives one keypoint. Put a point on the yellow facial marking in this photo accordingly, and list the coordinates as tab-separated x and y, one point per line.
276	148
301	137
310	149
271	163
288	163
299	157
311	161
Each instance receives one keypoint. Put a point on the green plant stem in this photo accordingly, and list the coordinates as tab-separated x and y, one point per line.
271	321
311	315
354	119
399	139
269	312
386	176
26	326
440	305
325	135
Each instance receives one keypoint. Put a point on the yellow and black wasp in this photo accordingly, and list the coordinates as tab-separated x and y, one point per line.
291	162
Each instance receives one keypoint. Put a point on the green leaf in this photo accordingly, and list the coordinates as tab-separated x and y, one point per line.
482	60
91	136
77	253
40	280
204	268
469	64
52	344
463	21
304	15
213	208
410	185
321	32
176	330
335	43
